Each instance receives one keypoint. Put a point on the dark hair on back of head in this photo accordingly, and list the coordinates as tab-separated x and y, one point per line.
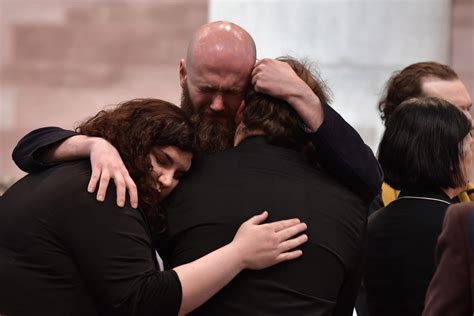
134	128
276	118
422	146
407	83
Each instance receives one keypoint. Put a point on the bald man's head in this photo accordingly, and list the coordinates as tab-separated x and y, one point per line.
215	77
220	39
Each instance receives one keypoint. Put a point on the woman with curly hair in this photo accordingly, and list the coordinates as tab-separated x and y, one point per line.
63	253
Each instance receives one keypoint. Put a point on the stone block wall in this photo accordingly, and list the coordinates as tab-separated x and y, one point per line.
63	60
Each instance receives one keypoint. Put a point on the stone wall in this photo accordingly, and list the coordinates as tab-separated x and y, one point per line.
62	60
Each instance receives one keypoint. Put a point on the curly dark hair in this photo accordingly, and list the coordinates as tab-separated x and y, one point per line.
406	84
134	128
275	117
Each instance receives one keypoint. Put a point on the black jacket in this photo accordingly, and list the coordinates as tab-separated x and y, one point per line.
224	189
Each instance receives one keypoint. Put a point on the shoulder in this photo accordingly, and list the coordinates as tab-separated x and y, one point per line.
67	186
460	210
460	216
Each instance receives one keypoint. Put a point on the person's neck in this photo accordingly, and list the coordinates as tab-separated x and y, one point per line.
241	134
453	192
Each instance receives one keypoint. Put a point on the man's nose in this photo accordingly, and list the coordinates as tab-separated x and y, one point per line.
217	104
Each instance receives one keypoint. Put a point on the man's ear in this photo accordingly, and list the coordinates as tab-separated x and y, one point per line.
239	115
182	73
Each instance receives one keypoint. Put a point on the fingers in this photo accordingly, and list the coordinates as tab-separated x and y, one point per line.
93	181
122	181
289	232
132	191
284	224
263	61
121	189
289	255
292	243
103	184
258	219
256	70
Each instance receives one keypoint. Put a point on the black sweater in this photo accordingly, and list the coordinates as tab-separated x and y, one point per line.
63	253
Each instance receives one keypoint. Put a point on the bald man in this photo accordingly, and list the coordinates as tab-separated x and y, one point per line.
218	69
216	74
214	77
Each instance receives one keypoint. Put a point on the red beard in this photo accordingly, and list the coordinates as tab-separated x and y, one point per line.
215	132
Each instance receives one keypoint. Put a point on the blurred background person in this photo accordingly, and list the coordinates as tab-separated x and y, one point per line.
429	79
426	153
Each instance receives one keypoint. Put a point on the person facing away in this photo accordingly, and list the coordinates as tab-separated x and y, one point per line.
62	253
215	75
426	153
418	80
268	170
429	79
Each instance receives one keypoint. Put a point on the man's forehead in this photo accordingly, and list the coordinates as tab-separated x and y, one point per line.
452	91
220	86
221	78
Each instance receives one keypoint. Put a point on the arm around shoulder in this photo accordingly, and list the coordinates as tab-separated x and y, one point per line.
343	153
28	153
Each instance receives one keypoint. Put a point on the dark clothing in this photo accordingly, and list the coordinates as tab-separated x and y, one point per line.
451	291
340	150
402	241
63	253
224	189
30	147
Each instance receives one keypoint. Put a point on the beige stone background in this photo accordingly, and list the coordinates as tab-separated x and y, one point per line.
63	60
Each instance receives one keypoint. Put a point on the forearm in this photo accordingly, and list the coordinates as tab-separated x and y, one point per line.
345	155
204	277
309	108
27	152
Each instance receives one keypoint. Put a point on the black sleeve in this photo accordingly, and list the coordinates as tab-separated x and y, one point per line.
348	292
113	251
33	144
343	153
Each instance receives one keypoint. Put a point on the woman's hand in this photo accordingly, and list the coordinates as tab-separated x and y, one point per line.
263	245
255	246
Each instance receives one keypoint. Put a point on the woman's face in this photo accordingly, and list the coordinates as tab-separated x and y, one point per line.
467	158
168	163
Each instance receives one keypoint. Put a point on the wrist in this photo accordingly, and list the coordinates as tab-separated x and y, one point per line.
91	143
238	255
310	110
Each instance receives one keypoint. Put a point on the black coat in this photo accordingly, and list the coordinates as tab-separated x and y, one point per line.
225	189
